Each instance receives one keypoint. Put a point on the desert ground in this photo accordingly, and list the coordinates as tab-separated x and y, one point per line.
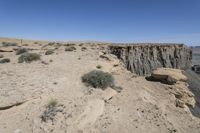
26	90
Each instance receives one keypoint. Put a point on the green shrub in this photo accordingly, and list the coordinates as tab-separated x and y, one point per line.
6	60
21	51
28	57
98	79
70	48
6	44
98	66
48	52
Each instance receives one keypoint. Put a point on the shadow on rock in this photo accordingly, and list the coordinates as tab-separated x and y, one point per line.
194	86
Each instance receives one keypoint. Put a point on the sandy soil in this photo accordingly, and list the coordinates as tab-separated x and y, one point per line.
142	106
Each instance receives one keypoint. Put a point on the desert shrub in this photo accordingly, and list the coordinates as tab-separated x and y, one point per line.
51	43
21	51
98	79
1	56
6	60
115	65
35	42
6	44
83	48
69	44
50	60
70	48
98	66
48	52
81	44
24	44
28	57
51	110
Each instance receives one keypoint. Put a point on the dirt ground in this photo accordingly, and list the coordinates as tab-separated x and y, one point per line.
26	89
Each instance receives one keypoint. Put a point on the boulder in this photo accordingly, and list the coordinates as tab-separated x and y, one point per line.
168	75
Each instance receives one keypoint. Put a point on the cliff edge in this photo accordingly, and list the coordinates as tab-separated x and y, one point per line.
143	58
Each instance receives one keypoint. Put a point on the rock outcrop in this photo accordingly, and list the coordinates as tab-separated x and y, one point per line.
168	75
178	85
143	58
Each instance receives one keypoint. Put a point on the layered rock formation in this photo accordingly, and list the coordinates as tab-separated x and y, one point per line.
143	58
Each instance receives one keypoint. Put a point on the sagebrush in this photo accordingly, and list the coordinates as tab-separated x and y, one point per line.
28	57
6	60
98	79
21	51
48	52
70	48
6	44
51	110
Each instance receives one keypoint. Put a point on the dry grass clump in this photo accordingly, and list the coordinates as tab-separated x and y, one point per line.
69	44
51	110
6	44
98	79
6	60
98	66
115	65
28	57
21	51
70	48
83	48
51	43
49	52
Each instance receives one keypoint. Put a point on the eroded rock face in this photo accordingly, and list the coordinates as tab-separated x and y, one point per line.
143	58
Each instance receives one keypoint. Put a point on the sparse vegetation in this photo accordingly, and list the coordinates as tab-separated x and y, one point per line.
98	66
6	44
98	79
81	44
48	52
28	57
24	44
50	60
21	51
70	48
115	65
52	103
6	60
51	110
35	42
51	43
69	44
83	48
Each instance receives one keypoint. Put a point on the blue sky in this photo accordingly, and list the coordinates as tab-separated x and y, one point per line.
102	20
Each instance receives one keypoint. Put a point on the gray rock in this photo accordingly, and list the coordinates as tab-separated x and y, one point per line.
143	58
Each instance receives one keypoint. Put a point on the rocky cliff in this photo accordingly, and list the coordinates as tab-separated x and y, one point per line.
143	58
